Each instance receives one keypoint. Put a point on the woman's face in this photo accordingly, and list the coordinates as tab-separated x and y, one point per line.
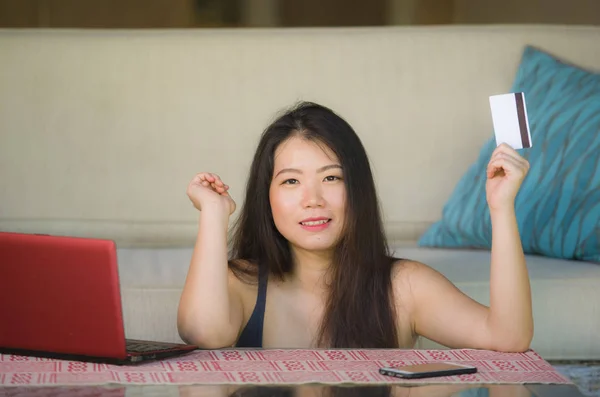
307	194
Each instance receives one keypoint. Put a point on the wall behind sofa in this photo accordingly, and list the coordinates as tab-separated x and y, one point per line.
101	130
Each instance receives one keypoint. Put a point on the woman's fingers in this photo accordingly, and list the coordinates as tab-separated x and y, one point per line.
507	164
212	181
218	188
504	150
216	180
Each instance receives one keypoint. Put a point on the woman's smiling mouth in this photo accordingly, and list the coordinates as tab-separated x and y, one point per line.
315	224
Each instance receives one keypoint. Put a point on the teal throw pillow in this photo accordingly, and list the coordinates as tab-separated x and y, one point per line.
558	205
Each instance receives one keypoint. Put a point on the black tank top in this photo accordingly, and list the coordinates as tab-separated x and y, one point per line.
252	335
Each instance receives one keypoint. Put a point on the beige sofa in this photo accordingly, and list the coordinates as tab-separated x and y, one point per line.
100	132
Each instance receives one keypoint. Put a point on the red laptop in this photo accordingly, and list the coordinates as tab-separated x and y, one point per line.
60	297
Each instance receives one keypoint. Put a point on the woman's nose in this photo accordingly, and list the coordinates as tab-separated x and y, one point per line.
313	197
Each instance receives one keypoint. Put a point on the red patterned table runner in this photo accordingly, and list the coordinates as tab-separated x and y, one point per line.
281	366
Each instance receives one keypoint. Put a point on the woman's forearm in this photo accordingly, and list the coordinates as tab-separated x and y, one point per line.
510	317
204	308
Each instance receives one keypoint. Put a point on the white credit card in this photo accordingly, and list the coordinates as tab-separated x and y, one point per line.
509	115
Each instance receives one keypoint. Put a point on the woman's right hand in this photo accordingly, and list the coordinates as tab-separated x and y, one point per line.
207	190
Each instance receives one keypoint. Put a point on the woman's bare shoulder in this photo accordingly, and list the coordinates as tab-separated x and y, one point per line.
243	276
243	284
244	270
408	273
407	277
416	284
404	269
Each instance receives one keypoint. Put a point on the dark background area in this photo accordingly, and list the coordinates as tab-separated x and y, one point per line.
289	13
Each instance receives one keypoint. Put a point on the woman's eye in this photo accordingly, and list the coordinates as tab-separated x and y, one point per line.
332	178
290	181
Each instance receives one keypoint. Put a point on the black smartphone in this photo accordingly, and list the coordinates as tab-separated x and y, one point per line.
427	370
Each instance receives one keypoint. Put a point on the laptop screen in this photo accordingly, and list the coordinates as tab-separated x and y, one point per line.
60	294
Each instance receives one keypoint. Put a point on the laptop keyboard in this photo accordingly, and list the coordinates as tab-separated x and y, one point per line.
143	346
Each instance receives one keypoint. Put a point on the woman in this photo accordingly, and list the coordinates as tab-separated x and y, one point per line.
309	265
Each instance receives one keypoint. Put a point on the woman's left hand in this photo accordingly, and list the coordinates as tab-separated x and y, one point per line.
505	173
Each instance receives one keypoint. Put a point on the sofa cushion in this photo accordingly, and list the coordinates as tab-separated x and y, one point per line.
566	299
558	205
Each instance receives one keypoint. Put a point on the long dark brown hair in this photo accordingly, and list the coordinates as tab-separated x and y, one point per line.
359	312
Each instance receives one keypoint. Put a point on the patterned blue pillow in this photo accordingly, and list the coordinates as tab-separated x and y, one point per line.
558	205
